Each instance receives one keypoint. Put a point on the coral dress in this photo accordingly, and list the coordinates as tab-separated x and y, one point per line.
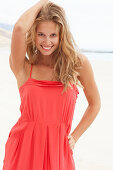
39	139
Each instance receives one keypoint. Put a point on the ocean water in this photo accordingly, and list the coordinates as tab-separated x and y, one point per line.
91	55
99	56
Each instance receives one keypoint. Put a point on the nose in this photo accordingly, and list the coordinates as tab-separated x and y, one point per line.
47	41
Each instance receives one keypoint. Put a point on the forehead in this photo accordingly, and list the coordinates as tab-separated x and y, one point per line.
47	27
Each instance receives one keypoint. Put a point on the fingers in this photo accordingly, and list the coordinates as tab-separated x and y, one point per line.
71	141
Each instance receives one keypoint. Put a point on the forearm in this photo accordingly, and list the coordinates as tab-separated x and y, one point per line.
88	117
28	17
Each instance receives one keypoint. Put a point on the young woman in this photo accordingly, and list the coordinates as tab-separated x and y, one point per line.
47	81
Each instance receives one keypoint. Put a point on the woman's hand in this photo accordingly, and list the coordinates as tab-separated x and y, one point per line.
72	141
44	1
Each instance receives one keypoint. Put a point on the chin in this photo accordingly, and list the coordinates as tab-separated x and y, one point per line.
46	54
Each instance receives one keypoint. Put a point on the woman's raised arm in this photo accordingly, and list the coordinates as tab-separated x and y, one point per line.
18	41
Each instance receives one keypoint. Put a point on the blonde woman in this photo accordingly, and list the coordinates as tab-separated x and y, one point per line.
47	79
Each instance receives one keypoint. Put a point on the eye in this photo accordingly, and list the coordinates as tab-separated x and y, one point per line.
40	34
53	35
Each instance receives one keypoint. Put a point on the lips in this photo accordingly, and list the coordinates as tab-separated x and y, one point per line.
46	48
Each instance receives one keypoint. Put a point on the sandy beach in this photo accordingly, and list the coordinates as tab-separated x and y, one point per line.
94	150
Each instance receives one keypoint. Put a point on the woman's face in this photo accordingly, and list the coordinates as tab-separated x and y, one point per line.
47	37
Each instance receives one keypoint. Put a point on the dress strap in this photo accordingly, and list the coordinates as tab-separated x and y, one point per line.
31	71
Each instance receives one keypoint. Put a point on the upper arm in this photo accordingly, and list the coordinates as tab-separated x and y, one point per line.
88	81
18	50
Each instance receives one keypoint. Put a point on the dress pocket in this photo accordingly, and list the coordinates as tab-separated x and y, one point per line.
13	143
11	148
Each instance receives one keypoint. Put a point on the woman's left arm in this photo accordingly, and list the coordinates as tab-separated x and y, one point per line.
92	95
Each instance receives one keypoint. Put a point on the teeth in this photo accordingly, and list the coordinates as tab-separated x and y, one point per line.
47	48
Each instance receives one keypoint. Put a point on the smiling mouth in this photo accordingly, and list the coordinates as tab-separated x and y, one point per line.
46	48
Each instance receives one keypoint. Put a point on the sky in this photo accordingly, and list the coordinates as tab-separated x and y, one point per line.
90	21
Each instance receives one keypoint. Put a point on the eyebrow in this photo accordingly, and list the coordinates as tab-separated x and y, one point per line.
43	33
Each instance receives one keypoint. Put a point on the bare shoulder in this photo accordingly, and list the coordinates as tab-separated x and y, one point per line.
24	70
86	76
84	59
23	73
86	69
87	79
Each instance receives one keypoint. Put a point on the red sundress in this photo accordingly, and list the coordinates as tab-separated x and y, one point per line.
39	139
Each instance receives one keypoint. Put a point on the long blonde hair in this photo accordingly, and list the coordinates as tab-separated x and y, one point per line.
67	56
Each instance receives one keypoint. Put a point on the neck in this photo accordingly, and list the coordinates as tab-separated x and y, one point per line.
45	60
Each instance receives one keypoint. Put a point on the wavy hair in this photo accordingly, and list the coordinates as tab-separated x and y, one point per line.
66	60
